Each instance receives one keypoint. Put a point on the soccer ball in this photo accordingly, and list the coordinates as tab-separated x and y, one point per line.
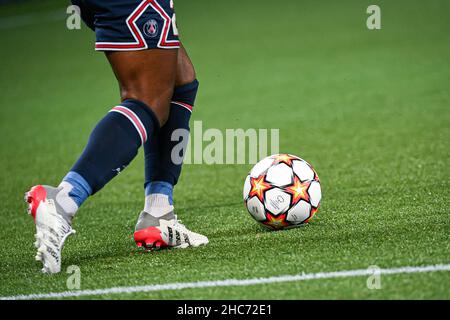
282	191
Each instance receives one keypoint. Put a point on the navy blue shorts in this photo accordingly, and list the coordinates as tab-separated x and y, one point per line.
127	25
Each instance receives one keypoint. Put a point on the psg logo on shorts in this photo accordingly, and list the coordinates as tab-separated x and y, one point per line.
151	28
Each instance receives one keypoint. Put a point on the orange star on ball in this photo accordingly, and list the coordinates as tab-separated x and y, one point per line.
285	158
276	222
299	190
258	187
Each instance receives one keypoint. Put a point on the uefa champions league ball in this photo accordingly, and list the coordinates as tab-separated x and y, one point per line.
282	191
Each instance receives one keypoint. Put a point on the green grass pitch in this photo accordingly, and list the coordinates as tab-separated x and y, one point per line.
368	108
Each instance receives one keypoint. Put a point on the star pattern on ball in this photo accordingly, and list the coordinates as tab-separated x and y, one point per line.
258	186
316	176
284	158
311	215
276	222
298	190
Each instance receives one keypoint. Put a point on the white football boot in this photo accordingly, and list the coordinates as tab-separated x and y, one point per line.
52	226
165	231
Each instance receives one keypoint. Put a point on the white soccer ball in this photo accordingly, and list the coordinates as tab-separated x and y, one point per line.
282	191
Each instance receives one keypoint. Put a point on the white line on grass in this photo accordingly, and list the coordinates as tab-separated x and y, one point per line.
229	282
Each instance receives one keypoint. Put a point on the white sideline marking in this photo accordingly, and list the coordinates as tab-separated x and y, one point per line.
229	282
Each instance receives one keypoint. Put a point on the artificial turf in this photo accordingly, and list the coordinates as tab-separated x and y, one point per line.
368	108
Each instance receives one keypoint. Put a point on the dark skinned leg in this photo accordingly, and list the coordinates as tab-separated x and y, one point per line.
148	76
161	172
146	79
185	74
185	68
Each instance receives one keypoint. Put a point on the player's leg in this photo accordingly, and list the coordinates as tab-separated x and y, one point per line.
163	161
146	79
162	168
146	87
147	76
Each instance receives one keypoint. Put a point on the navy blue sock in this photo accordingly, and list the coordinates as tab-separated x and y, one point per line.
112	145
159	167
